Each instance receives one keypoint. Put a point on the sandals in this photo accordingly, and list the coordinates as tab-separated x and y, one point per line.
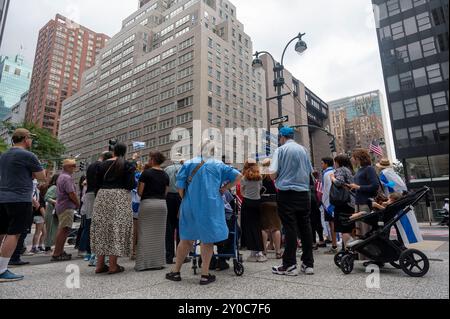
206	280
119	270
174	276
105	269
279	255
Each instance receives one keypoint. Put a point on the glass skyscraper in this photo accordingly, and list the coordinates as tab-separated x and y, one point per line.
414	47
15	77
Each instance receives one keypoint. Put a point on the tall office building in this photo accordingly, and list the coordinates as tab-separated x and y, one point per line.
172	63
4	6
303	107
357	121
15	77
414	42
64	51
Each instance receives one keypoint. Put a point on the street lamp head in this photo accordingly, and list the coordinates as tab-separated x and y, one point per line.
257	63
301	46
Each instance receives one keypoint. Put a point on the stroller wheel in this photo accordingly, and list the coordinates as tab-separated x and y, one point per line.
238	269
395	264
414	263
338	258
347	264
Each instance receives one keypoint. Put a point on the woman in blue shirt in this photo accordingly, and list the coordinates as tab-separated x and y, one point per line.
202	215
366	185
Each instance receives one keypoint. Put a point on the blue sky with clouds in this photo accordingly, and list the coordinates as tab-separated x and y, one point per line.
342	60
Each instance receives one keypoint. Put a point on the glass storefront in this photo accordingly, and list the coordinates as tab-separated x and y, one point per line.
422	169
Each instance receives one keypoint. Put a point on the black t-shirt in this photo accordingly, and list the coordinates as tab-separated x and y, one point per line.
155	182
108	178
269	185
91	177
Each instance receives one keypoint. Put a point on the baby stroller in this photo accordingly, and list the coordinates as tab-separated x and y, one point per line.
379	248
237	257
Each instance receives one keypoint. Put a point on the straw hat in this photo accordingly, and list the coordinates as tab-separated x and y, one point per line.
384	163
69	162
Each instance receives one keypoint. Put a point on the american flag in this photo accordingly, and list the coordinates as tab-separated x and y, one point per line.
376	148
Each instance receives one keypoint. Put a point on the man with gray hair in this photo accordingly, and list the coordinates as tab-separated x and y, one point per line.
291	169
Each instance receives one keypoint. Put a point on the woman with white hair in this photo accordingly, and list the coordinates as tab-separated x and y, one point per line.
202	216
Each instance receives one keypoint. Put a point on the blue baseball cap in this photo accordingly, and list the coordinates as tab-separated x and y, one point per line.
287	131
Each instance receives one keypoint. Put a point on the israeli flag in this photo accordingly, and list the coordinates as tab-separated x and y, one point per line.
138	145
409	229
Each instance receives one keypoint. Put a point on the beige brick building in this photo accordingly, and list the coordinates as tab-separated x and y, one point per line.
358	120
172	63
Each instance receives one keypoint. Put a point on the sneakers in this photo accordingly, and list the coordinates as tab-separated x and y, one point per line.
34	251
283	271
87	257
93	261
8	276
307	270
28	253
261	259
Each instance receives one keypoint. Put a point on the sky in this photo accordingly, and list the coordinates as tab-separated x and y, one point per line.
342	60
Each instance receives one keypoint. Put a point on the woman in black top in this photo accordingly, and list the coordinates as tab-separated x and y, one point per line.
151	230
112	220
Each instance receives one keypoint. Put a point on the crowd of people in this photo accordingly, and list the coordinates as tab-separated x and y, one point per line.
155	215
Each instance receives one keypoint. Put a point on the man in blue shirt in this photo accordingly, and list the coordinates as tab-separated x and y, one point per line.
18	168
291	169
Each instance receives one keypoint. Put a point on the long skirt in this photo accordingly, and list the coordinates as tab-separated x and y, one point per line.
51	225
251	225
151	234
112	223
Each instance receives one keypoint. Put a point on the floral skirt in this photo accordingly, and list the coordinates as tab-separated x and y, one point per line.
112	223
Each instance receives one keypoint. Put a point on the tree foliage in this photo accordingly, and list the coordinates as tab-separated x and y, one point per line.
45	146
3	146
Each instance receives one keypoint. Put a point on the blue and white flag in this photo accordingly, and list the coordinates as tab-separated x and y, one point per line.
409	229
138	145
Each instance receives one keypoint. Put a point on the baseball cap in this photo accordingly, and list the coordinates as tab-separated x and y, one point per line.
287	131
22	133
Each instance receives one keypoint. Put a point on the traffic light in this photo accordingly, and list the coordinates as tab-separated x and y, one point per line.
82	166
333	146
112	144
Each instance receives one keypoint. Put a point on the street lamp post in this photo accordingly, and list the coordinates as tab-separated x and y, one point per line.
278	70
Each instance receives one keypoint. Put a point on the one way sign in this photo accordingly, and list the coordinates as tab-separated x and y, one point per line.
280	120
